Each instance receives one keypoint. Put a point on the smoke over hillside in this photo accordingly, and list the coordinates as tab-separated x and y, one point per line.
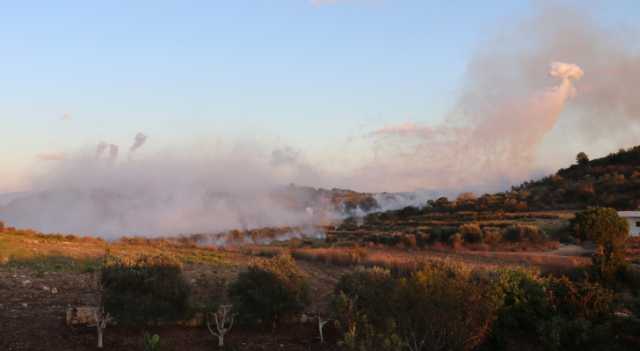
160	195
512	99
518	88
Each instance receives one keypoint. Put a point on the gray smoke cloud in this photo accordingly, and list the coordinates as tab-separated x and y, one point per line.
165	194
138	141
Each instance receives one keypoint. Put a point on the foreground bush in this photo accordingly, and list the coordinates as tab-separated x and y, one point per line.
270	291
551	313
444	307
149	289
440	307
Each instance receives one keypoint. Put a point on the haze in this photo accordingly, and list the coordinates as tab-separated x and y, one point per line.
173	100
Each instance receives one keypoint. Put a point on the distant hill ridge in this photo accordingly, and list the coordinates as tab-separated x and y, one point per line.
612	181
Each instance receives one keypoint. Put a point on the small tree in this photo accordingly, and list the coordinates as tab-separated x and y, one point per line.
150	289
582	159
610	232
101	317
270	290
224	319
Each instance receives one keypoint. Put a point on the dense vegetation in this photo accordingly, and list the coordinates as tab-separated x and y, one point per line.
270	291
149	289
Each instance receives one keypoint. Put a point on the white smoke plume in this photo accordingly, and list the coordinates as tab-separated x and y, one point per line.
167	194
498	141
513	120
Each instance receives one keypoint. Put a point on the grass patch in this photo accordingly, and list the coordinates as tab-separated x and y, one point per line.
55	263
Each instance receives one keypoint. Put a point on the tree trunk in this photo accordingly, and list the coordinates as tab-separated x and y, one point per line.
221	340
99	337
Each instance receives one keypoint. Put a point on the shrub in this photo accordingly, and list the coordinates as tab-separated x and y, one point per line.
270	290
610	233
524	232
492	235
444	307
1	226
359	332
524	303
409	241
439	307
150	289
367	288
601	225
551	313
471	233
442	234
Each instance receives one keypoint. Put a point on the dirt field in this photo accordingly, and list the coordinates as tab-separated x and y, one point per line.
41	276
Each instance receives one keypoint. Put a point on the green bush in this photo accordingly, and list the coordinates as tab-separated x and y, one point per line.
551	313
471	233
440	307
270	291
610	233
359	332
367	287
524	303
150	289
444	307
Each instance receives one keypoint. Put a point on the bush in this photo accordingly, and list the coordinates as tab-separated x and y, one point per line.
269	291
353	313
524	232
551	313
409	241
610	233
524	303
471	233
150	289
367	287
439	307
492	235
1	226
442	234
444	307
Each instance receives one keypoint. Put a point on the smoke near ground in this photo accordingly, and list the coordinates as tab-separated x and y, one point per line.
556	75
158	195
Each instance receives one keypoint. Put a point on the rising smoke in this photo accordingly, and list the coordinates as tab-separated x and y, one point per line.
496	133
166	194
520	89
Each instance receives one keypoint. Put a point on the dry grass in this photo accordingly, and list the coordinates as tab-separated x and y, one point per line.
67	252
402	260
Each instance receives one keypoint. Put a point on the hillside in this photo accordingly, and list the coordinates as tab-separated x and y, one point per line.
612	181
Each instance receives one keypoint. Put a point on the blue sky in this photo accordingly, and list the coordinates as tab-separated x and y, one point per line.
306	74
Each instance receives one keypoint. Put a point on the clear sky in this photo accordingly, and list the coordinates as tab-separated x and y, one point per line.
306	73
